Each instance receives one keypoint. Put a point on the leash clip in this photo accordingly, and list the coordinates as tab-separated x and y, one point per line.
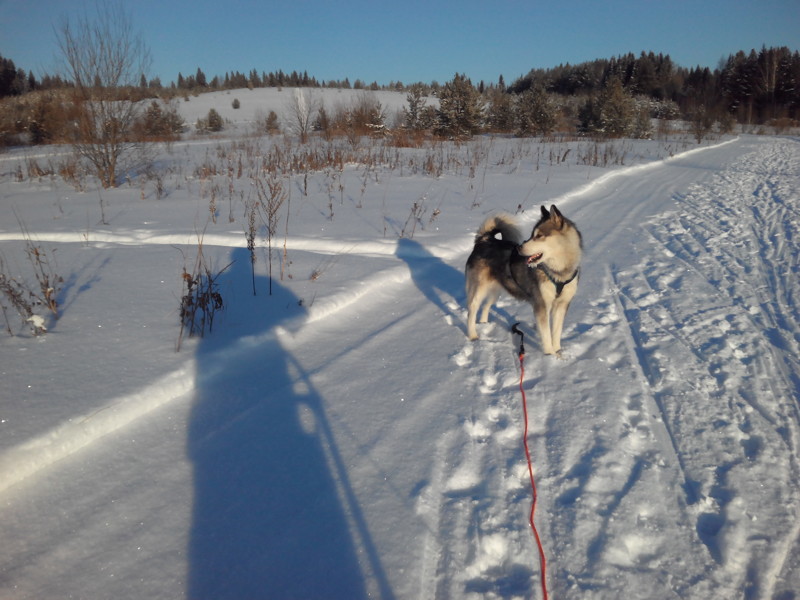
518	331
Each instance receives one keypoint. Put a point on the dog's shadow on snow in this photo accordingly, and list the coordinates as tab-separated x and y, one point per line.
437	280
434	278
274	512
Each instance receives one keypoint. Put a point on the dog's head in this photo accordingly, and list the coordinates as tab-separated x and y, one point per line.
550	238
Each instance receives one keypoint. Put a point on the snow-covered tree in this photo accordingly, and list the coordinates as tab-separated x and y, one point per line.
536	112
460	113
611	113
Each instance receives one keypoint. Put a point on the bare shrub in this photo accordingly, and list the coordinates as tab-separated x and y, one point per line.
24	297
702	123
271	196
37	171
22	300
302	108
364	117
104	59
201	299
72	172
48	282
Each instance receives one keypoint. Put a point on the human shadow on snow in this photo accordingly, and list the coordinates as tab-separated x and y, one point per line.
274	515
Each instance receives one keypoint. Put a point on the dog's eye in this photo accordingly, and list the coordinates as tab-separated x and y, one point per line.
538	235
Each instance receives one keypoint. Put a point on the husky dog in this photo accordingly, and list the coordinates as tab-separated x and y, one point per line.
542	270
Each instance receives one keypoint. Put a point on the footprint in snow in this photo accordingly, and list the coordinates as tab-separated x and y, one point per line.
488	382
462	357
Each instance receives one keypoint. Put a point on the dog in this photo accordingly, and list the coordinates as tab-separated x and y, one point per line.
542	270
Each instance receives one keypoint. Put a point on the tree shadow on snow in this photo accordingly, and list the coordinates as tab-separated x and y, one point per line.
274	513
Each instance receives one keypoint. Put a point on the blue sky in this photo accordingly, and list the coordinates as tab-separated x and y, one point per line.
411	40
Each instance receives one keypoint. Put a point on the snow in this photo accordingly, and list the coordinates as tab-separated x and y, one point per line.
342	439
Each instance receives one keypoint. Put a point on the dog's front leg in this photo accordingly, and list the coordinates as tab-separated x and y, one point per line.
560	307
542	316
559	312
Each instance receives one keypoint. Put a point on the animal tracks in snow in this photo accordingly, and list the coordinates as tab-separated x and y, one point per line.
651	440
478	495
678	375
723	365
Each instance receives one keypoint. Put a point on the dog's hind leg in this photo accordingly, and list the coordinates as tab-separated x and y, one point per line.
491	297
473	304
477	294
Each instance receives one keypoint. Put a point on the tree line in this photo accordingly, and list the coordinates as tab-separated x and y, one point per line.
617	97
253	79
16	81
754	87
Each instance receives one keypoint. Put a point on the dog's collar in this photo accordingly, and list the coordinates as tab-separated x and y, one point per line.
559	284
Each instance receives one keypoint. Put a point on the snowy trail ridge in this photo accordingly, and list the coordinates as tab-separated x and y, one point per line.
665	443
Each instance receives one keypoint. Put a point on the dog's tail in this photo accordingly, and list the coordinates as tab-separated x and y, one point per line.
503	224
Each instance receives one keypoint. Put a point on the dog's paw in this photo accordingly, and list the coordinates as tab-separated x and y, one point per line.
561	355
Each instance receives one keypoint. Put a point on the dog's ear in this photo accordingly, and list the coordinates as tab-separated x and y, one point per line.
545	214
558	218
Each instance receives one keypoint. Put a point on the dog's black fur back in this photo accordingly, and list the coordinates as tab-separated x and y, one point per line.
507	266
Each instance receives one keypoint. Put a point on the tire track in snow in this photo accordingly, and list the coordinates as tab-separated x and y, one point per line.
608	455
649	377
601	482
729	366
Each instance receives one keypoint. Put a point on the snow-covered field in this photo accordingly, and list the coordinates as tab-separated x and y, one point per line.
342	439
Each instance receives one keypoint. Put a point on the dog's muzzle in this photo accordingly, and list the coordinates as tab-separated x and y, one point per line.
533	259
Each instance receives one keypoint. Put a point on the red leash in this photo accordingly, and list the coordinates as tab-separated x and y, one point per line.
542	559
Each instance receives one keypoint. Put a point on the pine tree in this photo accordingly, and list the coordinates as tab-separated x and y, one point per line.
617	110
500	110
413	114
536	112
460	112
214	121
612	112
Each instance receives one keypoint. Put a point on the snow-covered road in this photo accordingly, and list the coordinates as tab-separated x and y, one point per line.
356	444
